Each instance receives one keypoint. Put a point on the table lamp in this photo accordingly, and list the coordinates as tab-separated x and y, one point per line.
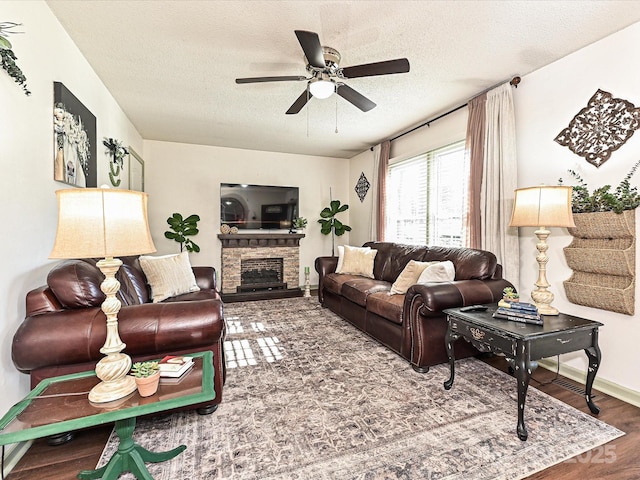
105	223
543	206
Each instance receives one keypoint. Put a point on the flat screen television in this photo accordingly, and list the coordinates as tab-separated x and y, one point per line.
258	206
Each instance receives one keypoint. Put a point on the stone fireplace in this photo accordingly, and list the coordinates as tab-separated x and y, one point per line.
262	264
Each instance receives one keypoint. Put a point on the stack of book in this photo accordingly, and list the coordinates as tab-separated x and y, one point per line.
519	312
174	367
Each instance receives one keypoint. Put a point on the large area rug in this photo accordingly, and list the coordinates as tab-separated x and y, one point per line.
308	396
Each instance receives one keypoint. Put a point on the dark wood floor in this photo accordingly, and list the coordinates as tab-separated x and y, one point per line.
617	460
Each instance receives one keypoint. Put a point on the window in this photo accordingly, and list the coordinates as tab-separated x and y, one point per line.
426	201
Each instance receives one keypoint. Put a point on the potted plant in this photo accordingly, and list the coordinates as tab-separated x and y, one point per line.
147	375
509	295
181	228
602	253
299	223
330	224
624	197
8	58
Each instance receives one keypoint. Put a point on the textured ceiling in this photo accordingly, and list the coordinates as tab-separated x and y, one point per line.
171	64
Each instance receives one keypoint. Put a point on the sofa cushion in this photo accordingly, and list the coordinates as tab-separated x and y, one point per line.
393	257
358	261
359	288
333	282
76	284
470	264
438	272
386	306
409	276
169	275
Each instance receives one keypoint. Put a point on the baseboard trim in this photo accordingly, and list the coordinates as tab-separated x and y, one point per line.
13	454
605	386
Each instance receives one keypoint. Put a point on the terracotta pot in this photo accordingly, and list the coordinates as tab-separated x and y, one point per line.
147	386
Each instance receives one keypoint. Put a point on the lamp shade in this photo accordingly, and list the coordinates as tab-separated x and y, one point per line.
101	223
542	206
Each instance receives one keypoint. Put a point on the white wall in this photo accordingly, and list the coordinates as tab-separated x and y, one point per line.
545	103
45	54
186	179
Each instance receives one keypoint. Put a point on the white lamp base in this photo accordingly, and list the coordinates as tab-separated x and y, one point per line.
115	384
113	368
541	296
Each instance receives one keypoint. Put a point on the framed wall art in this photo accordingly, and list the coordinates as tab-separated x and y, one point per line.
136	171
74	131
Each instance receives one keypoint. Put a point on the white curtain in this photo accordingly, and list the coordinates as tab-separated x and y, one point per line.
500	181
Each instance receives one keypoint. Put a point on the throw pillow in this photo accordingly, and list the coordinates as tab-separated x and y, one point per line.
438	272
169	275
340	259
409	276
358	261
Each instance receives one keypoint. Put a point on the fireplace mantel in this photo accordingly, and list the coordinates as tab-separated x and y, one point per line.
252	240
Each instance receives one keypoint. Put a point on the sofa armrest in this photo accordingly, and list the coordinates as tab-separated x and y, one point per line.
76	336
205	277
436	297
324	266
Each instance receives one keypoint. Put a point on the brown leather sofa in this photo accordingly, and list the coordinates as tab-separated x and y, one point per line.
411	324
65	327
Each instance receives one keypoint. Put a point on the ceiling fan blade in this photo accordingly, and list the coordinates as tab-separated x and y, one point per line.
350	95
310	43
300	102
400	65
292	78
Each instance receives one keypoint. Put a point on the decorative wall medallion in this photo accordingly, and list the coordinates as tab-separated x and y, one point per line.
600	128
362	187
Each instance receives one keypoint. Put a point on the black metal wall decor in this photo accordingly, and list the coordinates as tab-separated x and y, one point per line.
600	128
362	187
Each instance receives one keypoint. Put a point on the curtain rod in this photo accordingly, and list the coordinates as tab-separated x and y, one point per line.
514	82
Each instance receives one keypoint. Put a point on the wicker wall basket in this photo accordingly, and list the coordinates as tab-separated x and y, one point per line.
602	256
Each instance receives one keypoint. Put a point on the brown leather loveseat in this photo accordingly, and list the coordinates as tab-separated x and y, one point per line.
65	327
411	324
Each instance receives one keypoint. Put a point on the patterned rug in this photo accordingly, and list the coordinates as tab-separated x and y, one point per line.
308	396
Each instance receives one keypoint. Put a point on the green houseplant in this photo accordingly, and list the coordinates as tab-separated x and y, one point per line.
330	224
147	375
298	223
145	369
8	58
181	228
624	197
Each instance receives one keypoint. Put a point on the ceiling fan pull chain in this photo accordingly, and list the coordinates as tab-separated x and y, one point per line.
336	114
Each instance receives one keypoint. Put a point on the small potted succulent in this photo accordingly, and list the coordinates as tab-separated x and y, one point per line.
147	375
509	295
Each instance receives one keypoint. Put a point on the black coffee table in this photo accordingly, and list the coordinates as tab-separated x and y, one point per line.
525	344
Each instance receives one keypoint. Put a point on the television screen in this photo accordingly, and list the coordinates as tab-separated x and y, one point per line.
258	206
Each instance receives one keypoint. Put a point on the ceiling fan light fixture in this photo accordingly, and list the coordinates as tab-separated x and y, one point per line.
322	88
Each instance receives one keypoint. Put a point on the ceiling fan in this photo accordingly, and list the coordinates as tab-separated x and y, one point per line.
323	64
